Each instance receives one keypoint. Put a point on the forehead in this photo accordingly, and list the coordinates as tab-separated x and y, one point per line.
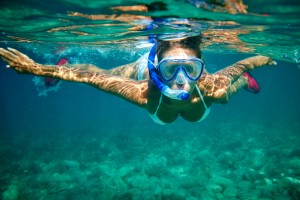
178	52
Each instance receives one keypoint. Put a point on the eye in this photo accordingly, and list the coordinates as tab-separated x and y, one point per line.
169	68
172	68
189	68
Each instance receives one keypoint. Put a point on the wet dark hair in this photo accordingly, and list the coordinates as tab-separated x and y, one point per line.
190	44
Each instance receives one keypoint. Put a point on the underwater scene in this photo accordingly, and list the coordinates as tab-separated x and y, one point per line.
69	140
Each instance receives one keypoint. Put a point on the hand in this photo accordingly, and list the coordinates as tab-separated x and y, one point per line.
263	60
18	61
267	60
272	62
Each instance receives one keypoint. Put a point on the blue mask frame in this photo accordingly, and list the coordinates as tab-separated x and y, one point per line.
181	67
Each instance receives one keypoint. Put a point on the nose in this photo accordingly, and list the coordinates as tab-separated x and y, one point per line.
180	79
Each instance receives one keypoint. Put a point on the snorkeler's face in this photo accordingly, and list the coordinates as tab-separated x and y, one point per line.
180	70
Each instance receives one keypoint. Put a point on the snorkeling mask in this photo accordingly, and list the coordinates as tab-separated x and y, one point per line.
168	69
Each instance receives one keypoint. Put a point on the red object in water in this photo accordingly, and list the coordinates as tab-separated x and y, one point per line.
62	62
252	84
50	82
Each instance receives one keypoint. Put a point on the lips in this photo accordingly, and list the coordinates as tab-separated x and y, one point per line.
180	86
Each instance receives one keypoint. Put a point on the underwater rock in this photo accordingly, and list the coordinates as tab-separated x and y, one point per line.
222	181
207	196
179	171
155	165
244	186
222	187
230	192
139	181
125	171
32	167
173	193
294	164
233	145
291	182
70	165
227	159
214	188
12	193
253	175
256	159
58	178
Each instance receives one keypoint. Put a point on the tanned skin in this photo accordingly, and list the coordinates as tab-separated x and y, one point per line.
122	82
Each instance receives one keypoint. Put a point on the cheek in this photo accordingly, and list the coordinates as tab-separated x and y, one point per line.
190	86
171	84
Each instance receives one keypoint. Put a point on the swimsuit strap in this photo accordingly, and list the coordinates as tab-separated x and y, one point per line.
157	120
142	66
207	110
154	116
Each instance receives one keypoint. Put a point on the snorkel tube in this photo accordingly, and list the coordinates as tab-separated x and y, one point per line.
153	73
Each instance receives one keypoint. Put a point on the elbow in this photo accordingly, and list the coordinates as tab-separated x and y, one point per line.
221	96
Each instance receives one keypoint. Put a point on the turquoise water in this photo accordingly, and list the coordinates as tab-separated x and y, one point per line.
80	143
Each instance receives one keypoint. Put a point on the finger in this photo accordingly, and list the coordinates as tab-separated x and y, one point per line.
9	56
18	53
3	52
6	60
273	63
11	64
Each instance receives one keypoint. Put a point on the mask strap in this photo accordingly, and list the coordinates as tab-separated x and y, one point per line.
164	89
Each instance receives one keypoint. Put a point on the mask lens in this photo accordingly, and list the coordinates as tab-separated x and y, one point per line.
193	69
169	68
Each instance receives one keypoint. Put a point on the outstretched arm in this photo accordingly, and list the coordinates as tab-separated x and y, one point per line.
220	86
128	89
234	71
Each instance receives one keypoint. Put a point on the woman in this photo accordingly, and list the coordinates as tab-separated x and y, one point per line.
174	84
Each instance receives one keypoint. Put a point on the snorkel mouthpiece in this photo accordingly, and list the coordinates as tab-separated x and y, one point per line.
175	94
164	89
